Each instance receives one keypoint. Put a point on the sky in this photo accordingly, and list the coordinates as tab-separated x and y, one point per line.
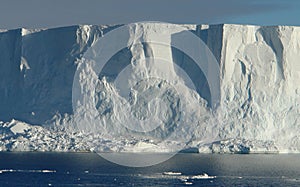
55	13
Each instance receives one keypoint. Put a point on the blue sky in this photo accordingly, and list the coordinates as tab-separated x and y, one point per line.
54	13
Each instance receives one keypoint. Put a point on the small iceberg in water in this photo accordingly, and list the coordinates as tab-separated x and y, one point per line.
171	173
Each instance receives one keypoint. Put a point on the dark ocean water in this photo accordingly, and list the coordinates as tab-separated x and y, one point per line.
89	169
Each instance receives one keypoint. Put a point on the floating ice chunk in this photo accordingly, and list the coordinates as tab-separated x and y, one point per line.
204	176
171	173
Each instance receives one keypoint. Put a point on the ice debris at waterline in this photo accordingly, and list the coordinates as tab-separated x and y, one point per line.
259	110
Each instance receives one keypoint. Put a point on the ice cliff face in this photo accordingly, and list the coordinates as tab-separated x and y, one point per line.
260	90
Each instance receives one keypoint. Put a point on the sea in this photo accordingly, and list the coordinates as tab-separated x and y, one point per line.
184	169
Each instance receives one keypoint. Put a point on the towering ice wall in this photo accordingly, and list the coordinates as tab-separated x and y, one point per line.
260	83
259	69
10	75
37	69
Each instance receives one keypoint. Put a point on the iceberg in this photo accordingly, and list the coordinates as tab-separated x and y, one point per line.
259	109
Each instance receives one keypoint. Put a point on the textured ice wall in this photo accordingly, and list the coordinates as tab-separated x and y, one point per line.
260	83
38	69
10	75
260	75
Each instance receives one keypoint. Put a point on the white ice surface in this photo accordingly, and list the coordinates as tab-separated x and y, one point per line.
260	91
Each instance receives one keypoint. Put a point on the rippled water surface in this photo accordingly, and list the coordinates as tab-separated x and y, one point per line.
77	169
